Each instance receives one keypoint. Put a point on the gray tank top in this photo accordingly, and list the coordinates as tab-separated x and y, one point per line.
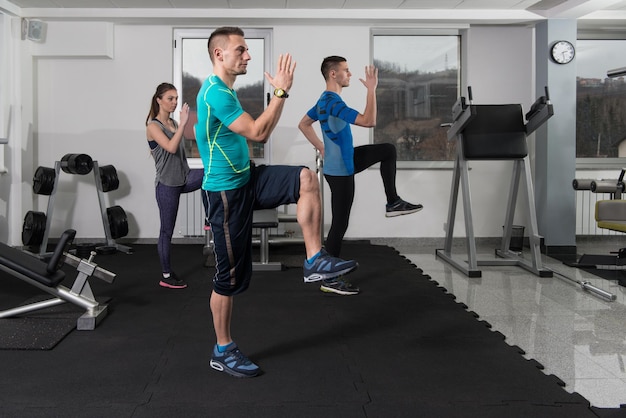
171	169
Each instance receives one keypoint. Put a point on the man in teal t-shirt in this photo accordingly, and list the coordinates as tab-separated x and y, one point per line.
236	187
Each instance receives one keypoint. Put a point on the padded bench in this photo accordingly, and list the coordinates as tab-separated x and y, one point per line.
264	219
48	276
611	214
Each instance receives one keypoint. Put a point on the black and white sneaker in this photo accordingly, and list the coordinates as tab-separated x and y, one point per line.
339	286
172	282
400	207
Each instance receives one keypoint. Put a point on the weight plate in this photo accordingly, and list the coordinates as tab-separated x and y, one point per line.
118	222
33	228
43	180
76	164
106	249
84	249
108	178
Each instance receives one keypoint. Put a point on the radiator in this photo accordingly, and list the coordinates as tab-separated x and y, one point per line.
190	221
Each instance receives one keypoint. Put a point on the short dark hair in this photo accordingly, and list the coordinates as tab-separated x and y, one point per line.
219	35
330	63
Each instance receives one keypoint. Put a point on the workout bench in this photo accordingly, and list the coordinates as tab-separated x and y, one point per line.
264	219
609	214
48	276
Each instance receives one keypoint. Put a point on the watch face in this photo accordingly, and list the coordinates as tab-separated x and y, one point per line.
562	52
280	93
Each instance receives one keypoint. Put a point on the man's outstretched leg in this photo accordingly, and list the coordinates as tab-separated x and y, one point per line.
366	156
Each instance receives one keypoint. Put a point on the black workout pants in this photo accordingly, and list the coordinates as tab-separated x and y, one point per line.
342	189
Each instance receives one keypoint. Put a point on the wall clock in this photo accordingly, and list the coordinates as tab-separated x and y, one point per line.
562	52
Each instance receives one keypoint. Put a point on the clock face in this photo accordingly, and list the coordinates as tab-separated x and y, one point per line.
562	52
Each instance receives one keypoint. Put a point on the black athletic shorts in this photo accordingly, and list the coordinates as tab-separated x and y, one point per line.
230	215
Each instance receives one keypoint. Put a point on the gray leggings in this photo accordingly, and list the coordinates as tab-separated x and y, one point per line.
168	199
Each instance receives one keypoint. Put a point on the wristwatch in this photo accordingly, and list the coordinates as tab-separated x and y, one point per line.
280	93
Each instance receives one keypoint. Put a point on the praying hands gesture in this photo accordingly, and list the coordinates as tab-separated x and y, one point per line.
284	73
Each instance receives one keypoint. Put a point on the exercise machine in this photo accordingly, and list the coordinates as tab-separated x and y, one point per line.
495	133
47	276
609	214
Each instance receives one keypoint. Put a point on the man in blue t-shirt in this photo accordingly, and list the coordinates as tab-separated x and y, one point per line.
236	187
341	159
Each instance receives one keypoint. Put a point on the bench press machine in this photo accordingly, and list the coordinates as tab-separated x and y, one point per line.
47	276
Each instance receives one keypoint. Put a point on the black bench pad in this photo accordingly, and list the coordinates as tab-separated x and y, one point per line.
29	266
265	224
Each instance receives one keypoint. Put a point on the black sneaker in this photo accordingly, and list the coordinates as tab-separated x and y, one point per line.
326	266
172	282
400	207
339	286
233	362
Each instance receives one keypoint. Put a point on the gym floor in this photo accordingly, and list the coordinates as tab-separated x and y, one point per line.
403	348
575	335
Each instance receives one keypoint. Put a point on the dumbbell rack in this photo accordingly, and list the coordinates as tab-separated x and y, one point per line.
110	241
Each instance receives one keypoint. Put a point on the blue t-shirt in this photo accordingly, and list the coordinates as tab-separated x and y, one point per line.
335	118
224	153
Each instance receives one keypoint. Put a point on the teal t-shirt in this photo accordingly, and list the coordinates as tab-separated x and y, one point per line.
224	153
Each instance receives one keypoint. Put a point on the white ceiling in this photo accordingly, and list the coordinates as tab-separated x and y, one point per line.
609	13
530	5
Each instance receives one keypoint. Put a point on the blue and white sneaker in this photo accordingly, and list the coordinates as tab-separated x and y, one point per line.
233	362
326	266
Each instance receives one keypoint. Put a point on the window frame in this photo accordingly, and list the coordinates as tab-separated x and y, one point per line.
600	163
456	30
204	33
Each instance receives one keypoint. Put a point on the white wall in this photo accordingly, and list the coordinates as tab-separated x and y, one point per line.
11	110
5	184
97	104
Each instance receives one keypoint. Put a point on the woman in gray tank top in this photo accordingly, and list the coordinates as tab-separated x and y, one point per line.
173	175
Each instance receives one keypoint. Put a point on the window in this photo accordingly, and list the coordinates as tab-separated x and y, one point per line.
191	67
419	82
600	101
